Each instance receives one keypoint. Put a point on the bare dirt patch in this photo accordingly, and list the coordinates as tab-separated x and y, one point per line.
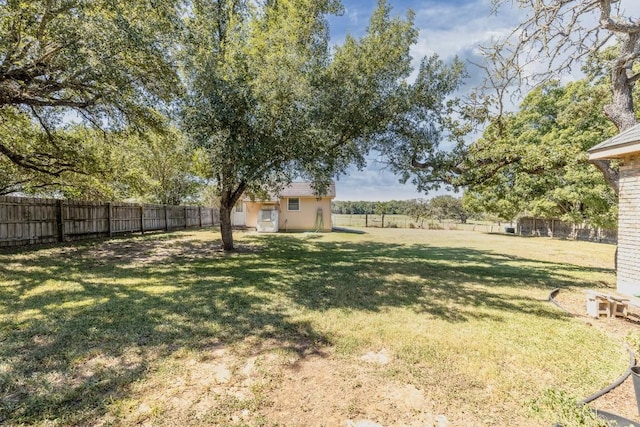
162	249
334	391
227	386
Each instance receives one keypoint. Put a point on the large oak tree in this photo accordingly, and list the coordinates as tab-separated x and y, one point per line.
269	100
534	161
101	63
561	35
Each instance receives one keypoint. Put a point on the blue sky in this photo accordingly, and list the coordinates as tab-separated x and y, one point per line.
448	28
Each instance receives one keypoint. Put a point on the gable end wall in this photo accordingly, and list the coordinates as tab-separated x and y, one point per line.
629	227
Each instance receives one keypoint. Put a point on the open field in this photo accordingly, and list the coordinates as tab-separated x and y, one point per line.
400	327
405	221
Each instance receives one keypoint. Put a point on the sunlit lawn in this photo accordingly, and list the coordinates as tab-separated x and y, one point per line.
111	332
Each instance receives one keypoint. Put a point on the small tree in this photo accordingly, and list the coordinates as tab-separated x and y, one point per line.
447	206
161	167
420	210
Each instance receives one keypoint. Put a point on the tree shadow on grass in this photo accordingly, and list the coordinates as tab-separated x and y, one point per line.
445	282
81	323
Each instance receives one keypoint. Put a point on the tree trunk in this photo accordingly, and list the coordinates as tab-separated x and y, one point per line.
226	231
228	199
621	110
611	175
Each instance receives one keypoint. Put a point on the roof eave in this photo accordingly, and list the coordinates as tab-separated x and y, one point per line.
615	152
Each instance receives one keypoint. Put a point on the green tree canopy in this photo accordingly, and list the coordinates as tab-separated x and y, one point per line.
534	161
103	63
563	35
448	207
268	100
160	167
153	167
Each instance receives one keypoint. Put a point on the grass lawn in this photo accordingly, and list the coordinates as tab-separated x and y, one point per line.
400	327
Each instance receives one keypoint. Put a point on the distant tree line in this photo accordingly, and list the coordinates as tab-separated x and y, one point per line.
395	207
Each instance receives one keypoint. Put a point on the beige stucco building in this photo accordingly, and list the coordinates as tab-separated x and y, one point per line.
296	208
626	148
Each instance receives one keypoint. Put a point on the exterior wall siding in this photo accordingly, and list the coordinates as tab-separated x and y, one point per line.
252	210
306	217
629	227
302	220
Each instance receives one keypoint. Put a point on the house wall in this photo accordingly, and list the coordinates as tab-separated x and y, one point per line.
302	220
629	227
305	218
253	208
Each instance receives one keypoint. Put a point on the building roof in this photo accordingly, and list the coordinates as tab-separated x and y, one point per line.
623	144
304	189
300	189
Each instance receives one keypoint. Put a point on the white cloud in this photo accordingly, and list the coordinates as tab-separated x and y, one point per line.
355	15
449	30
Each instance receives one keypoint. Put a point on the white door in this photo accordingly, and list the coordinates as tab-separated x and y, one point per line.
239	215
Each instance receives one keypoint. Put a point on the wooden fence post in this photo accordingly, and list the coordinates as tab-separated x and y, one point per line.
60	220
166	219
366	220
185	217
200	216
142	219
110	219
382	220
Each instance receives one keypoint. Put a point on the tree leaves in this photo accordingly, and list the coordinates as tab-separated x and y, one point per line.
534	161
102	63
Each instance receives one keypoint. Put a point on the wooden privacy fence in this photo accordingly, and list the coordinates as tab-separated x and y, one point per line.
27	221
529	226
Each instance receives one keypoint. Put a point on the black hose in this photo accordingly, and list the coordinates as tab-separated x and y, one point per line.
551	299
616	383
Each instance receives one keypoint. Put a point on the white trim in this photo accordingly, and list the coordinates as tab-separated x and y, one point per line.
615	152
